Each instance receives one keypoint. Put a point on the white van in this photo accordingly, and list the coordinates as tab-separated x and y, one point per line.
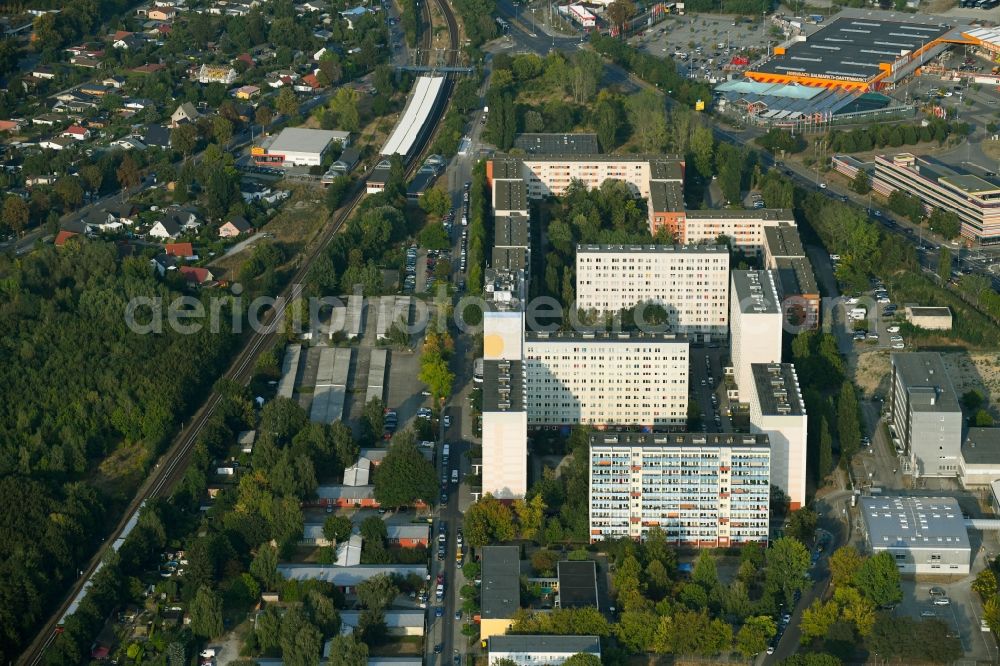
857	314
454	476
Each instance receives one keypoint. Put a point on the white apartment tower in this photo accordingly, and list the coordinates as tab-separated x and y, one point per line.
691	282
777	410
632	379
505	419
754	324
701	489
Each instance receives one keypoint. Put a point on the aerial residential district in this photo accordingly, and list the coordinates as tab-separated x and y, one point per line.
499	332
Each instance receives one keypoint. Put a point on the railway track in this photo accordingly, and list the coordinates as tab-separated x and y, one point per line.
174	463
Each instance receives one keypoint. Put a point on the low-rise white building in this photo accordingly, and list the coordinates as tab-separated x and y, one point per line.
777	410
535	650
925	535
298	146
979	464
691	282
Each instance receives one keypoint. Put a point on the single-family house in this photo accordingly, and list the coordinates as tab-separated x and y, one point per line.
410	535
246	92
165	228
76	132
11	125
93	89
163	263
128	143
156	135
149	68
64	236
162	13
86	62
132	42
196	274
352	15
116	82
43	72
215	74
309	83
56	143
137	103
181	250
185	113
48	119
234	227
185	218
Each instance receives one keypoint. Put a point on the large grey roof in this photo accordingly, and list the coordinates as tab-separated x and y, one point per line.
302	140
666	196
783	240
981	446
501	581
926	380
914	522
795	275
510	195
654	249
853	48
577	583
545	644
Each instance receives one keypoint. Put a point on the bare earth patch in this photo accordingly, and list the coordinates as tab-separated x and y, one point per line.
979	371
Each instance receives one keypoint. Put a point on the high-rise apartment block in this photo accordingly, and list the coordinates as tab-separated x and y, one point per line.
708	490
926	416
778	411
754	325
606	379
689	281
505	416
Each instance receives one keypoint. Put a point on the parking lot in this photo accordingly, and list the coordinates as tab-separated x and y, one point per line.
707	380
708	41
962	614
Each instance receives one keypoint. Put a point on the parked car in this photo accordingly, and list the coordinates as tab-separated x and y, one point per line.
941	601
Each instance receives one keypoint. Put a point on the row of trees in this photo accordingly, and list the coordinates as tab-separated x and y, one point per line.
880	135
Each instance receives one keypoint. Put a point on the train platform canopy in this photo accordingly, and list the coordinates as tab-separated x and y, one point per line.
853	50
425	95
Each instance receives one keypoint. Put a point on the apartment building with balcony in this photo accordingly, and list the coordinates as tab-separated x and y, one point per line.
691	282
745	228
701	489
637	379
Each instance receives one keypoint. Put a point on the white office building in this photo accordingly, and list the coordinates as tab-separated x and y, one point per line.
606	379
777	410
754	325
702	489
926	417
691	282
536	650
925	535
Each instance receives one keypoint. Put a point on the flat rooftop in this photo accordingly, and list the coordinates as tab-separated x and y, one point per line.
653	249
929	311
597	157
756	292
795	275
735	214
545	644
503	386
602	336
914	522
970	184
506	168
727	439
510	195
558	144
577	583
927	381
853	48
981	446
501	582
510	231
667	169
510	258
301	140
778	389
666	196
783	240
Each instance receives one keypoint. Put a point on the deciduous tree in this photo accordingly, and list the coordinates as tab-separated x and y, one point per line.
206	613
878	579
754	635
404	476
488	521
